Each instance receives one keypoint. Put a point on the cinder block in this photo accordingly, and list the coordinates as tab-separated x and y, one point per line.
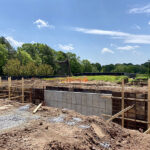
59	96
69	97
78	98
55	103
69	106
102	102
74	99
64	105
89	111
55	96
101	111
79	110
96	100
84	99
74	107
64	97
59	105
108	109
84	110
89	100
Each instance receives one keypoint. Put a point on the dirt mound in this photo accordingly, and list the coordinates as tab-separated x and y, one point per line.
57	129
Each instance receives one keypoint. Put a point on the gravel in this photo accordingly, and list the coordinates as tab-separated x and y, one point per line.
16	118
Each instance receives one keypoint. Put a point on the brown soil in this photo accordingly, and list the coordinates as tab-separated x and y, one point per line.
93	85
43	134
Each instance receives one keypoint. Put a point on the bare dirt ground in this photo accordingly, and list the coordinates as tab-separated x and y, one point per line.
93	85
56	129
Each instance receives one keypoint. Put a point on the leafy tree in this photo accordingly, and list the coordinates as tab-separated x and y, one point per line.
3	56
44	70
30	69
11	50
75	63
87	67
23	57
12	68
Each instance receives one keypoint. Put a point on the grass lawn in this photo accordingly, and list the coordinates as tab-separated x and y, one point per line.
107	78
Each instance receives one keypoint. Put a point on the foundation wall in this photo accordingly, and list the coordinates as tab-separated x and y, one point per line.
84	103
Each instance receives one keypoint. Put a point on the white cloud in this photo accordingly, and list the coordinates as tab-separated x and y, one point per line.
140	10
107	50
128	47
68	47
43	24
13	42
126	37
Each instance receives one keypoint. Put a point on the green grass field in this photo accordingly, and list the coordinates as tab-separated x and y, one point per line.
105	78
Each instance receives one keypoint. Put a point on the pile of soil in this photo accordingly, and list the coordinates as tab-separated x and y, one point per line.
61	129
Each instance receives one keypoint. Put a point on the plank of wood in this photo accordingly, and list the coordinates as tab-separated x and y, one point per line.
0	81
147	131
122	102
148	111
120	113
15	97
36	109
129	119
22	90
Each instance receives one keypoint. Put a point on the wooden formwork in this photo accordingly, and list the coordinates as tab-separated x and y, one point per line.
21	92
135	118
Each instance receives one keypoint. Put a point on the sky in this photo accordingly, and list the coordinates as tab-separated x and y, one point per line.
104	31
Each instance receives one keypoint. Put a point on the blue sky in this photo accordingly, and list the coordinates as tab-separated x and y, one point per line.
104	31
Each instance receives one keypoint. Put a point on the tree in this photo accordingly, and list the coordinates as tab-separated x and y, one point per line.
75	63
87	67
11	50
96	67
3	56
30	69
44	70
12	68
23	57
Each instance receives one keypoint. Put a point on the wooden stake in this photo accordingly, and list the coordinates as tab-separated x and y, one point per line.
129	119
119	113
122	107
9	87
22	90
0	81
148	111
36	109
147	131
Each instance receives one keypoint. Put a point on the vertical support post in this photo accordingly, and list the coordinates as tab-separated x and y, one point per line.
0	81
9	87
148	105
22	90
30	95
122	107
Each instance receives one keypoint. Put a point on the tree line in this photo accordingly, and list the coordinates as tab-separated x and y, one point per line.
41	60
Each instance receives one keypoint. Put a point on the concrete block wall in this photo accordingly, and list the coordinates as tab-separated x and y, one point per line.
84	103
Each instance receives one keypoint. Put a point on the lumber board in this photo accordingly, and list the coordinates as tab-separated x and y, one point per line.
122	102
148	111
129	119
36	109
147	131
119	113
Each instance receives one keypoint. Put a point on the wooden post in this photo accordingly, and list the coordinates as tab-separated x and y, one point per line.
30	95
9	86
148	111
22	90
122	107
119	113
0	81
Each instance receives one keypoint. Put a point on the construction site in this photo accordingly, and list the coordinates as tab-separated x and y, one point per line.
73	115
